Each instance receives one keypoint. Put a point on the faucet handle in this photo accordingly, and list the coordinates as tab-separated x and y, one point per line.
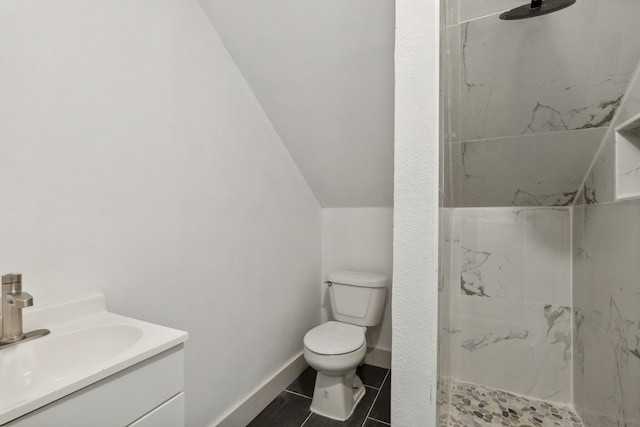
11	278
20	299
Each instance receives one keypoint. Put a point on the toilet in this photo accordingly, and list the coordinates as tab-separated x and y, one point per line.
337	347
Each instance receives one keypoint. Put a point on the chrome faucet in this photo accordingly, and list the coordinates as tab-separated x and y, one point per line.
13	301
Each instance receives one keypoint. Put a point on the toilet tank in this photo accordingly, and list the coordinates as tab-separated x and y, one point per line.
357	298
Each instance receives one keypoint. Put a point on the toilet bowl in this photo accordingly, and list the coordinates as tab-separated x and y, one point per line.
335	350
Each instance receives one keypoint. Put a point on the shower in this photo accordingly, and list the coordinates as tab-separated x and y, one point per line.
536	8
538	305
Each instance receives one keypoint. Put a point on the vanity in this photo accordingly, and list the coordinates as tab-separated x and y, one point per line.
95	368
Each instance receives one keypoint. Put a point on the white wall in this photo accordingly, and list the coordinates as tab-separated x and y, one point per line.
323	71
359	239
415	232
136	161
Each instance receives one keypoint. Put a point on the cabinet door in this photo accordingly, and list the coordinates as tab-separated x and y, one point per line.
169	414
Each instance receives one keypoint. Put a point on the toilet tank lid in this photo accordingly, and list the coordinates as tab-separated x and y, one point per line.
355	278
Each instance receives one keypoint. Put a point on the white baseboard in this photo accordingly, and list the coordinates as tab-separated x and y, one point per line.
247	410
378	357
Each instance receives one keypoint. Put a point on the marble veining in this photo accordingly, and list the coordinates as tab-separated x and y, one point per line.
519	254
514	83
545	118
554	316
632	172
477	343
599	183
560	74
525	198
536	338
512	296
606	372
523	171
470	273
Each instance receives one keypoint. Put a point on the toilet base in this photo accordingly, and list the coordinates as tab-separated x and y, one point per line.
336	396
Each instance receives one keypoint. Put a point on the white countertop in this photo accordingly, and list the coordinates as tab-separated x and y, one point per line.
86	344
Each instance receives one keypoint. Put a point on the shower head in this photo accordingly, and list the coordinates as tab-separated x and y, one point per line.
536	8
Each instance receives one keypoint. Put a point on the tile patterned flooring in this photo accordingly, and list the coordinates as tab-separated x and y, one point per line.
479	406
471	406
291	407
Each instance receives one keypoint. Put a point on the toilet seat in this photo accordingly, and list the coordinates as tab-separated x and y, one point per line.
333	338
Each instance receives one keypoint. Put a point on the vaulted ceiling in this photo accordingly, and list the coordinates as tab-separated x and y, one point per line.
323	72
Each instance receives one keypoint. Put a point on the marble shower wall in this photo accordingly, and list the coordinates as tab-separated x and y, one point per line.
599	184
529	170
606	291
606	297
531	100
511	299
529	105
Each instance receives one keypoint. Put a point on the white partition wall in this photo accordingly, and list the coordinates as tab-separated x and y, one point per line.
415	296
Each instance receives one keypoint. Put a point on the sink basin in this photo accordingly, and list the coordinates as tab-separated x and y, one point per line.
91	347
86	344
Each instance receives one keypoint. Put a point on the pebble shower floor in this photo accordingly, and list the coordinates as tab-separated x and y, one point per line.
475	406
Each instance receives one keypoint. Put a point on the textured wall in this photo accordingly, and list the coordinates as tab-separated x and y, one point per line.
415	233
137	162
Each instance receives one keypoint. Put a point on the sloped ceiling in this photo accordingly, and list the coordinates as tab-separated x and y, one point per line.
323	72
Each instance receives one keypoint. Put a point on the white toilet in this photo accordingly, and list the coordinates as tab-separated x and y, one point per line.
336	348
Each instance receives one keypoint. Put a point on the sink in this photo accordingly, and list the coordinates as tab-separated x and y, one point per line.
91	347
86	344
40	363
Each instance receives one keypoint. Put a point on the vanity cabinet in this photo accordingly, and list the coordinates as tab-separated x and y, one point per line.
170	413
147	394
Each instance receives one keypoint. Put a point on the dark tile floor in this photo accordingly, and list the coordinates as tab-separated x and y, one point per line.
291	407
